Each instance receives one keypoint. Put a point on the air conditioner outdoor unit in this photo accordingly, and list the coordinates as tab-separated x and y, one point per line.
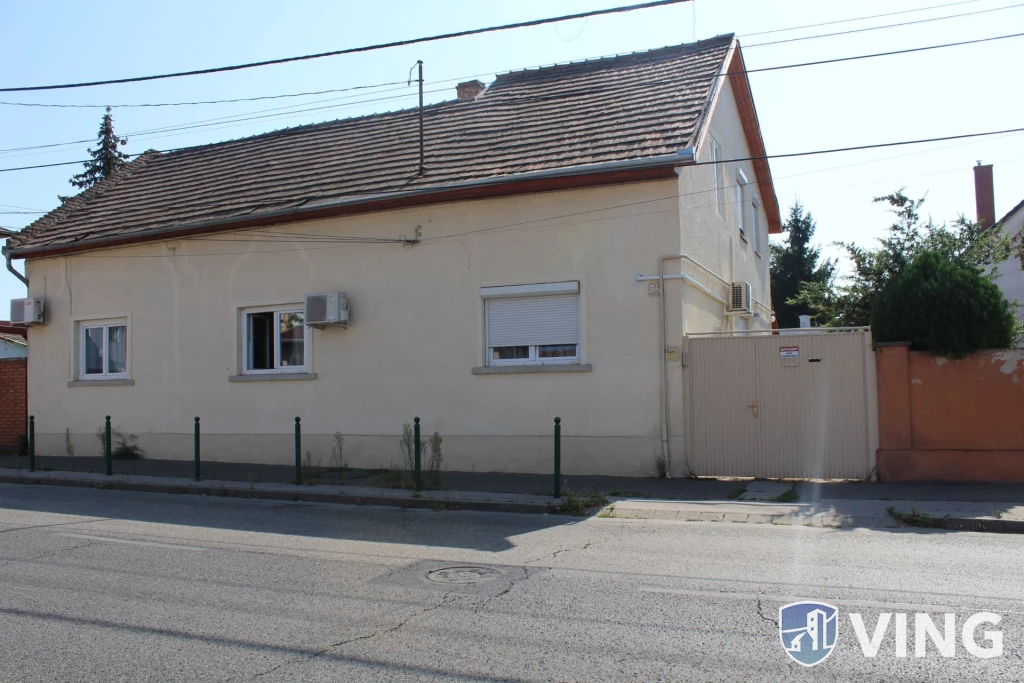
329	309
27	311
739	298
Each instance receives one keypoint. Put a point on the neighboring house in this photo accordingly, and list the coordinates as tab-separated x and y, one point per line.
13	388
13	346
511	280
1010	273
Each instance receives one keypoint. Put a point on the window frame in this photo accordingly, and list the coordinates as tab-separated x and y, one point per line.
755	222
741	202
105	324
277	310
533	291
718	176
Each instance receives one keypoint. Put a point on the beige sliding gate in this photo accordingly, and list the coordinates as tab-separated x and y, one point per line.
788	404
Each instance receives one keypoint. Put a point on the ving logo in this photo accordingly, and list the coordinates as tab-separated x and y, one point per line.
808	631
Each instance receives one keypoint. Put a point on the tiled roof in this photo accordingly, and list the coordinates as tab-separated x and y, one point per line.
636	106
13	338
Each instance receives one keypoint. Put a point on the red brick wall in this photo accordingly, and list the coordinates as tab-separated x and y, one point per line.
13	403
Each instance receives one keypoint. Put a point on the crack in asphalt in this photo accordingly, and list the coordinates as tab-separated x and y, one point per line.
760	613
369	636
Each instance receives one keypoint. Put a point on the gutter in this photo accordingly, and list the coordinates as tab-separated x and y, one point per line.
683	156
10	266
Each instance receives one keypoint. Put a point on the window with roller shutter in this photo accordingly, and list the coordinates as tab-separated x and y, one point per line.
533	324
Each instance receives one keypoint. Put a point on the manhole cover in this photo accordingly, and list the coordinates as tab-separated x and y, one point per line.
463	575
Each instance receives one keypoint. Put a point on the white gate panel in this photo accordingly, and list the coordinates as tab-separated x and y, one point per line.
813	406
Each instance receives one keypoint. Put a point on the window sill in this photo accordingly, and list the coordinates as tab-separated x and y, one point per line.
522	369
274	377
102	383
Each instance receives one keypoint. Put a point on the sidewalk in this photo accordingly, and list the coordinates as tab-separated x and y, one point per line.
997	508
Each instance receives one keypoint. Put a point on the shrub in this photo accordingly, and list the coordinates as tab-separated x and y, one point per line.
432	477
944	308
122	446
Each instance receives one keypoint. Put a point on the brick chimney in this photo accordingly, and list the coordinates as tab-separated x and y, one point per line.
469	90
984	195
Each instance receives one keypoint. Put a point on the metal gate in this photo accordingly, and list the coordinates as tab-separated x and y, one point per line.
781	404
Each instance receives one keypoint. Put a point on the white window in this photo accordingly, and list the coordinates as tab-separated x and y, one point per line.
103	349
755	223
716	160
533	324
741	208
276	340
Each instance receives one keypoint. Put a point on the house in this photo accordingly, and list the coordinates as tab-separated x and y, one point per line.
1009	273
13	388
513	278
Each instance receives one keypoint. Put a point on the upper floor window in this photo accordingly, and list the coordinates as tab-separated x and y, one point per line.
716	160
103	349
741	193
275	340
755	223
532	324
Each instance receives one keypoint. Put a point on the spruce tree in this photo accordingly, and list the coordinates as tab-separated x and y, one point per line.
794	264
106	157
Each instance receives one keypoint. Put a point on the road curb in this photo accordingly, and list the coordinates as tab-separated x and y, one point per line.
298	495
992	526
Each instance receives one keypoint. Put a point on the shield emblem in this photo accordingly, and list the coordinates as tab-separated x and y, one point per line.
808	631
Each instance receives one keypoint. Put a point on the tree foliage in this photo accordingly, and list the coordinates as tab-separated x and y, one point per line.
849	300
943	307
106	156
794	264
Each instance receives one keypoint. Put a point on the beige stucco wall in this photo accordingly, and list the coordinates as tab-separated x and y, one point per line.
416	330
1010	274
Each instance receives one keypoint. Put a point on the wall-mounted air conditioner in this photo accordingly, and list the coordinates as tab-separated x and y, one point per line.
329	309
739	298
27	311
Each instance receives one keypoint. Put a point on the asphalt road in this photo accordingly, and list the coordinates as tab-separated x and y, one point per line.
113	586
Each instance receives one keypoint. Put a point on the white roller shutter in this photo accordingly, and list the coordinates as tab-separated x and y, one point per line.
533	320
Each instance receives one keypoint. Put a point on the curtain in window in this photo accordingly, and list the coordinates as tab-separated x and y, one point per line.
117	349
292	340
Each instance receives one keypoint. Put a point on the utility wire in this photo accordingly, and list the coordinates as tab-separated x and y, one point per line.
188	104
679	81
876	28
846	21
352	50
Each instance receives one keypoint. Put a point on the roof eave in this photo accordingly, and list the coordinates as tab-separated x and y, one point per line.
630	170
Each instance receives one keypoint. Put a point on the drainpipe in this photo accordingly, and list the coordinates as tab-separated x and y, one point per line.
10	266
666	448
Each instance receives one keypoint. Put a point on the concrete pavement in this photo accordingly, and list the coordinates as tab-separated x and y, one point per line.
753	502
118	586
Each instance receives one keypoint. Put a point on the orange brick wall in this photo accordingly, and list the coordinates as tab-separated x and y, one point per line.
13	403
942	419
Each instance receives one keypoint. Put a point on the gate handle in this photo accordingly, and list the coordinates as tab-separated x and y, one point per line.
754	406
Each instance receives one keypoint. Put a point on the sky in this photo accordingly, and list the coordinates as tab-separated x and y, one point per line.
936	93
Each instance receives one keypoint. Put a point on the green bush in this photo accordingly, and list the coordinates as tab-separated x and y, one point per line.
944	308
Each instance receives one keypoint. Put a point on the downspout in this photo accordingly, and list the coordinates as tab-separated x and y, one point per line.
666	449
10	266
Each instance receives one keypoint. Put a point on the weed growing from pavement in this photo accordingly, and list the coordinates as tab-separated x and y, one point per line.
789	496
580	506
736	493
913	518
122	446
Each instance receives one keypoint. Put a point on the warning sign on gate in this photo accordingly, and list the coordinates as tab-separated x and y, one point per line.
789	355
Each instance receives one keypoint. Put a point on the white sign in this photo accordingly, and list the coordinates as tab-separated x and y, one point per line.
789	352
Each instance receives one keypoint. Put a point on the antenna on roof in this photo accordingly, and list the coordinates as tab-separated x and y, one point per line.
419	64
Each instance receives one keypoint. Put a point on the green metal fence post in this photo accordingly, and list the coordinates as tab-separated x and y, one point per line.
31	443
558	457
416	446
298	451
107	456
195	468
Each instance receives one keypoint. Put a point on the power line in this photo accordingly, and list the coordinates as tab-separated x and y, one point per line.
706	163
876	28
238	117
352	50
846	21
184	104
